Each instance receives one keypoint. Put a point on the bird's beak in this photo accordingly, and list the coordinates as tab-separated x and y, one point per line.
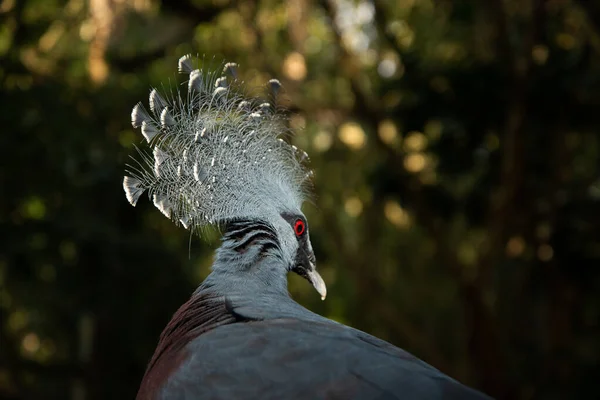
316	280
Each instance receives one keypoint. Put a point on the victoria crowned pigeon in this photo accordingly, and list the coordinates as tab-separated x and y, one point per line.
219	157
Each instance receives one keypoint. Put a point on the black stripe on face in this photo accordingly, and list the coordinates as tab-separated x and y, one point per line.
240	232
243	234
266	246
237	229
252	236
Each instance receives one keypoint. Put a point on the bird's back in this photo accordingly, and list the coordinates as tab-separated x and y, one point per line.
285	358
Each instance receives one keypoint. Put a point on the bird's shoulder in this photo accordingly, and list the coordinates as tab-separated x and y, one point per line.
202	313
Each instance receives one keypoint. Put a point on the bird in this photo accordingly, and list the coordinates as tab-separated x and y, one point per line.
218	155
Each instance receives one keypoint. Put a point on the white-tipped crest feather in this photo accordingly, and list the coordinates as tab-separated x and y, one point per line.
133	189
139	115
274	85
166	119
163	203
217	154
157	103
231	69
149	130
221	82
185	64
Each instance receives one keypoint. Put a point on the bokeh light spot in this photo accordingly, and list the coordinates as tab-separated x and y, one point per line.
30	343
545	252
34	208
539	54
294	66
415	141
353	206
322	141
352	135
515	246
415	162
396	214
388	133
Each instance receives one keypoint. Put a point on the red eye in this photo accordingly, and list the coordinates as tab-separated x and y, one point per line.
299	227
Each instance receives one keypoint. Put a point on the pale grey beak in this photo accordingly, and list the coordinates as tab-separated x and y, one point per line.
317	281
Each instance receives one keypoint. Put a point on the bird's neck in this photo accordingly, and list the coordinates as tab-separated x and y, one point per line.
249	262
250	273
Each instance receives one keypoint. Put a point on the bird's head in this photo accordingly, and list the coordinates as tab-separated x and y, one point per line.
292	230
220	158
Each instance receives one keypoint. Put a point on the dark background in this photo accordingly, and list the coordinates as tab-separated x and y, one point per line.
456	152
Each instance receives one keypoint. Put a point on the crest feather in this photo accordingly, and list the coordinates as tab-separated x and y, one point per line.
217	154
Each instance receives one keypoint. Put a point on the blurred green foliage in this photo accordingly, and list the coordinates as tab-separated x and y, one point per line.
456	154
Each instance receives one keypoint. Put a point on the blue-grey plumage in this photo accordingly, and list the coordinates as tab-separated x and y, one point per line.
252	341
297	359
217	158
